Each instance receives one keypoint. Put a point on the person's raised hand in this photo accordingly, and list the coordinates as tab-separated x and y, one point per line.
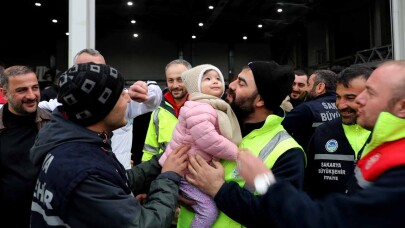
208	178
177	160
138	91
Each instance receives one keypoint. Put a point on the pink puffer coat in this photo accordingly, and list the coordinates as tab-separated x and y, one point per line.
198	127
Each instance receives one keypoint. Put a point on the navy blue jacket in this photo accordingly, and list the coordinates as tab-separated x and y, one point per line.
82	184
331	160
283	205
302	121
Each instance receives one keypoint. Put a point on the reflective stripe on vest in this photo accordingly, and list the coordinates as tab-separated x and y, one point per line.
50	220
336	157
363	183
317	124
279	137
268	148
152	149
156	122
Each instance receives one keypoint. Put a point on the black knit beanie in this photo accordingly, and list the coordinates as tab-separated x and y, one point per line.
273	82
88	92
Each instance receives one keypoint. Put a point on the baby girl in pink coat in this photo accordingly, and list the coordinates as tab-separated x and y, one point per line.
208	124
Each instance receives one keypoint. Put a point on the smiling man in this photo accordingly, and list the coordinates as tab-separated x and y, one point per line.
335	146
299	91
20	120
164	119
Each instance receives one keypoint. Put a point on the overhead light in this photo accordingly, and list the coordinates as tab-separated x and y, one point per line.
54	21
244	37
130	3
193	37
67	34
136	35
260	26
211	7
201	24
279	10
37	4
133	21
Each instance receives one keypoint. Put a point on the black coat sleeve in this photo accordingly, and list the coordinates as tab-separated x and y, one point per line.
380	205
141	176
246	208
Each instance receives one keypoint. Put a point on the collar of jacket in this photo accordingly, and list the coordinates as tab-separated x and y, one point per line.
272	122
388	128
41	115
168	97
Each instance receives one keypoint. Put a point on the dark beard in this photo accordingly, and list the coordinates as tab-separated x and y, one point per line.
242	108
241	114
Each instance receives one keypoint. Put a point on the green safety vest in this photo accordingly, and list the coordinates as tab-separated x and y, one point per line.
268	143
159	134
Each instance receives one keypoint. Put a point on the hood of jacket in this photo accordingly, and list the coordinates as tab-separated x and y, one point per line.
59	131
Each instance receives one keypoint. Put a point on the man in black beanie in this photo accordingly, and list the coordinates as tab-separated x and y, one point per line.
255	96
81	183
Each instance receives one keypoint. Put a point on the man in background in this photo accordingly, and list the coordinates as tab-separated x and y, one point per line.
319	108
164	119
335	146
299	91
20	121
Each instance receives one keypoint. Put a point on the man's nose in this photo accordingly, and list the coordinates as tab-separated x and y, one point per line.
30	94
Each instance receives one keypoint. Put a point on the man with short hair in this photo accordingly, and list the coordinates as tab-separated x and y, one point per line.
164	119
380	173
20	121
89	55
298	93
302	121
336	145
255	97
81	183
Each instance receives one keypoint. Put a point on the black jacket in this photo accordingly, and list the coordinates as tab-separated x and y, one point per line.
17	173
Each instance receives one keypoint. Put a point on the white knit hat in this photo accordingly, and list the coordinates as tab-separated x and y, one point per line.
192	78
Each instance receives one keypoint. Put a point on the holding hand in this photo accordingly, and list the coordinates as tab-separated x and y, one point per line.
138	91
177	160
207	178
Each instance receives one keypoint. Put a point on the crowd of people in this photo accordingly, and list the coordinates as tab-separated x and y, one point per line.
277	148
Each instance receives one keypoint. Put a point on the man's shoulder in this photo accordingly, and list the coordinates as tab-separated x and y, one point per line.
331	125
165	109
43	117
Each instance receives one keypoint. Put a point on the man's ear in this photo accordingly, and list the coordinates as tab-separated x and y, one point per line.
399	108
321	88
259	102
